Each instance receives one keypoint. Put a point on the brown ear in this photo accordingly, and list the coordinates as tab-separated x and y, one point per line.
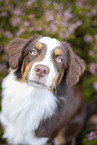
15	48
76	67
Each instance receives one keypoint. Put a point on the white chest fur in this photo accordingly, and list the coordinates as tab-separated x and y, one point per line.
23	107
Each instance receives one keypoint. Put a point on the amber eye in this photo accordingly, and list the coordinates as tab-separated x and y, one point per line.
33	52
59	59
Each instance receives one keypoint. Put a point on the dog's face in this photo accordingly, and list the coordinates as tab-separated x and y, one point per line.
45	66
43	61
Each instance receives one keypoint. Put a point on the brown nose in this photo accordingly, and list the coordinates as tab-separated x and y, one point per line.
41	70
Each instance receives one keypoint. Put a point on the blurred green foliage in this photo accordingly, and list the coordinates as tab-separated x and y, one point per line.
74	21
88	142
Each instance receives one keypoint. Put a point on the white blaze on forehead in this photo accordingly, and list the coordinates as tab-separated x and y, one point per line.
51	44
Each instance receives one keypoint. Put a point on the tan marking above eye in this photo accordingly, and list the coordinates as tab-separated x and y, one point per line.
57	52
39	46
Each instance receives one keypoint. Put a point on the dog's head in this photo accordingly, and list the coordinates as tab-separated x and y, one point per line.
43	61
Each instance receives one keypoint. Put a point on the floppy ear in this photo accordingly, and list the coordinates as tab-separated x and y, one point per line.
76	67
15	49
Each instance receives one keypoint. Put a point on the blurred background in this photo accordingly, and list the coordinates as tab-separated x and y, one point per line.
74	21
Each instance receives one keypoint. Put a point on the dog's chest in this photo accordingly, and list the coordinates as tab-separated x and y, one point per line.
23	106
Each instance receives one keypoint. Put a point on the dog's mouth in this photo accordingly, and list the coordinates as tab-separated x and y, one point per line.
37	84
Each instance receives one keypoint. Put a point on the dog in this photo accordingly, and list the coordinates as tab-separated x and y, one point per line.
40	103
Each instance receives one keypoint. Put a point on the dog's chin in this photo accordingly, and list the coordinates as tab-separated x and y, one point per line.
38	84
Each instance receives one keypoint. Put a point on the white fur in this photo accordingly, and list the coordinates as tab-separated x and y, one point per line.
51	44
23	107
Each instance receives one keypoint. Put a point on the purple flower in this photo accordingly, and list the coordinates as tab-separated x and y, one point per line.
39	28
10	7
93	68
31	29
1	9
95	136
20	31
78	23
95	36
89	138
92	135
64	34
79	4
55	3
91	53
4	14
72	28
26	23
8	34
17	11
61	35
30	16
17	2
53	27
94	11
29	3
59	14
48	16
95	86
88	38
67	15
47	29
15	21
6	2
2	66
48	2
64	24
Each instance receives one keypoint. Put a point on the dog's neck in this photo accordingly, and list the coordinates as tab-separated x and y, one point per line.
26	96
25	107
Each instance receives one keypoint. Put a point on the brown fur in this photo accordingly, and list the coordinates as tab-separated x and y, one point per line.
65	117
76	66
15	50
69	115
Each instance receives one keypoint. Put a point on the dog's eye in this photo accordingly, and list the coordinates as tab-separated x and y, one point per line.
33	52
59	59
